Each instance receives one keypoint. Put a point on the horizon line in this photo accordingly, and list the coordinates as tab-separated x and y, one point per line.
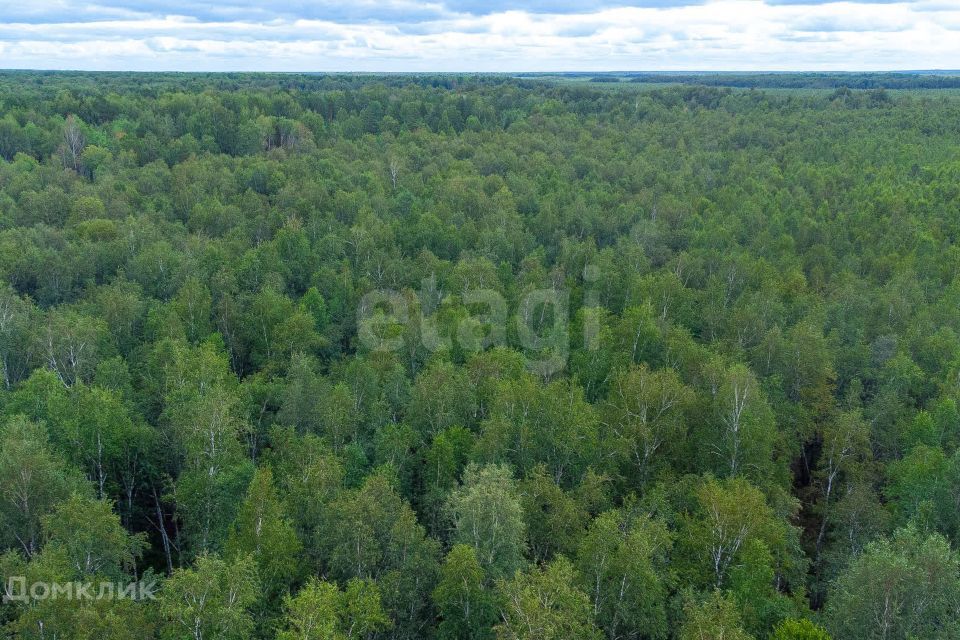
498	73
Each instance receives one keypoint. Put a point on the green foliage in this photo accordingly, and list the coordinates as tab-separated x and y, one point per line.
263	532
799	629
74	618
373	356
622	560
906	586
34	481
463	597
555	518
210	600
731	515
647	411
532	424
487	516
714	618
373	534
84	544
320	611
546	605
89	538
753	588
309	477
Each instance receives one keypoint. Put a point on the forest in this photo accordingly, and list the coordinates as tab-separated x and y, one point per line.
299	357
901	80
889	80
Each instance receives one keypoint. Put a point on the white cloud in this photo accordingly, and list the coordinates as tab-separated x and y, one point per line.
720	34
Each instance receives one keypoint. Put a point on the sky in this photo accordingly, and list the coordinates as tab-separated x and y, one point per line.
478	35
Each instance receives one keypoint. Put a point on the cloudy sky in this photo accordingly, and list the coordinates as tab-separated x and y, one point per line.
478	35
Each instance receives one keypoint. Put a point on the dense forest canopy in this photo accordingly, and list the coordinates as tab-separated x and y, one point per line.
476	357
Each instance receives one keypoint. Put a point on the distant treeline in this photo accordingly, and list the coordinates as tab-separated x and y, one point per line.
809	80
15	83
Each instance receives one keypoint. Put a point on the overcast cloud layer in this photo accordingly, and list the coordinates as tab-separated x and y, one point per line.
474	35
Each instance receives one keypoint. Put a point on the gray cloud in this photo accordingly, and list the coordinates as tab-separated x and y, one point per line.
500	35
396	11
482	7
47	11
776	3
849	23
